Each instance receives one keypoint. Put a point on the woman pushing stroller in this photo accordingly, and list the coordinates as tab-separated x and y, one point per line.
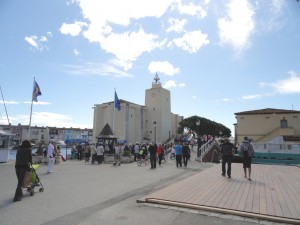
23	162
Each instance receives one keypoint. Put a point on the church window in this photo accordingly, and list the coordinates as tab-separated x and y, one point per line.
283	123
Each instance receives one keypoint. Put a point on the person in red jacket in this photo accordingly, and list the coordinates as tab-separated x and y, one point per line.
160	152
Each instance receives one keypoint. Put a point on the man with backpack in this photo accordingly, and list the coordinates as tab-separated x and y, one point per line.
246	153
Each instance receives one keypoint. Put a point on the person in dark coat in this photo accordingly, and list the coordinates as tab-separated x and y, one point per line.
186	153
227	150
152	152
23	161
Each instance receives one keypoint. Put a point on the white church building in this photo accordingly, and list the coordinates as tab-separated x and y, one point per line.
152	122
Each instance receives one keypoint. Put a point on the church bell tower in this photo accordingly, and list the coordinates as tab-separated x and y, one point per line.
158	104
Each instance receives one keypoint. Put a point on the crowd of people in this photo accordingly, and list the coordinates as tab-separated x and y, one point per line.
155	152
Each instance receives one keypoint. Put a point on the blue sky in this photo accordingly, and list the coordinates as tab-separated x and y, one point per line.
216	57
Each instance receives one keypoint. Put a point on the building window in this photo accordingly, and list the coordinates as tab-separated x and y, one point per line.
283	123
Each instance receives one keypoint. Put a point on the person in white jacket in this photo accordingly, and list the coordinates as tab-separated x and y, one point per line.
50	156
100	153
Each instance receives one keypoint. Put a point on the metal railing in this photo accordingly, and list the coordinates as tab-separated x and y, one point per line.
204	149
265	147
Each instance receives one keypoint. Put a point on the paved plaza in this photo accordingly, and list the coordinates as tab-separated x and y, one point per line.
79	193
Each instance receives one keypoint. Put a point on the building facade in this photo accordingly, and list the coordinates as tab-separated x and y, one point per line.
268	126
137	123
43	134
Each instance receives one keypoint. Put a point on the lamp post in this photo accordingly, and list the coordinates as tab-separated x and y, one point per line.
199	146
154	125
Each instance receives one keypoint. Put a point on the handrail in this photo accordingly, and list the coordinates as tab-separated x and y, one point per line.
205	148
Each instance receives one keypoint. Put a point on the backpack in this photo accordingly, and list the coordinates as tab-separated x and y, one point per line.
244	149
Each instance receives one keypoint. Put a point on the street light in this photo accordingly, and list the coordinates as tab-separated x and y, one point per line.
154	125
199	146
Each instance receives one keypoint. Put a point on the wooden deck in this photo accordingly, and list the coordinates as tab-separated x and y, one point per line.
273	194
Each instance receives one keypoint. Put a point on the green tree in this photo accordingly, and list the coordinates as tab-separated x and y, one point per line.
203	126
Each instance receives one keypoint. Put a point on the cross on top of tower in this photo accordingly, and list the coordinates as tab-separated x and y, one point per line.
156	79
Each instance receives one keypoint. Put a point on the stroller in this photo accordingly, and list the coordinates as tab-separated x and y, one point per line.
31	180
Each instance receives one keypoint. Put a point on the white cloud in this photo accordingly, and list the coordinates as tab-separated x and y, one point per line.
32	41
38	43
273	18
192	9
105	17
170	84
288	86
248	97
48	119
38	103
73	29
163	67
94	69
191	41
76	52
236	28
121	12
129	46
10	102
182	84
225	100
176	25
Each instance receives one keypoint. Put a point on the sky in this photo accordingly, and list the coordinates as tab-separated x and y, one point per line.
217	57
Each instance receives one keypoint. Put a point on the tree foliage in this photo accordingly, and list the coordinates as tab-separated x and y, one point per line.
205	127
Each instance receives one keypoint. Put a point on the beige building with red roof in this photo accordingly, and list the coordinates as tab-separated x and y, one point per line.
268	125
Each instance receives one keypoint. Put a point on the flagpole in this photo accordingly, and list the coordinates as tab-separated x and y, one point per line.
114	110
29	127
4	106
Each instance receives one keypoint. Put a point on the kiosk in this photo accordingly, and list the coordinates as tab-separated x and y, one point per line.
5	144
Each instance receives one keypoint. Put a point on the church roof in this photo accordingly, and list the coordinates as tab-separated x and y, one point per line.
123	101
267	111
107	133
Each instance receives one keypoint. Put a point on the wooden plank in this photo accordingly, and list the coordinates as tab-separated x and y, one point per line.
250	197
260	195
268	190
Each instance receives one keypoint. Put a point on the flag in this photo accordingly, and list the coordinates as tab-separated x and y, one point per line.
36	91
117	102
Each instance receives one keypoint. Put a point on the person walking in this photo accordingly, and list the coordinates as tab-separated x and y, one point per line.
160	153
79	149
100	153
51	156
178	153
246	153
22	165
93	153
87	153
186	154
136	151
227	150
152	152
118	152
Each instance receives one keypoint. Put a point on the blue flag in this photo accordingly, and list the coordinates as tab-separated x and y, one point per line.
117	102
36	91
